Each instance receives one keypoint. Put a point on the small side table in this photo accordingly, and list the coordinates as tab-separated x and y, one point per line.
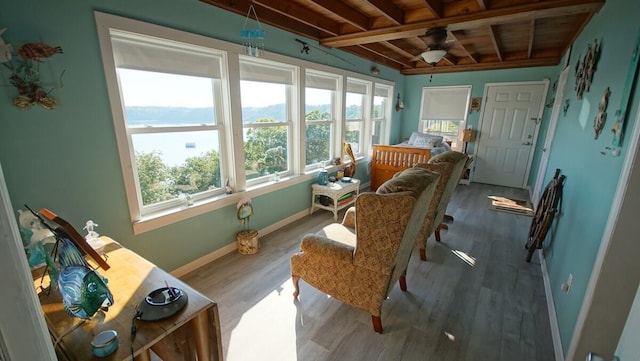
334	191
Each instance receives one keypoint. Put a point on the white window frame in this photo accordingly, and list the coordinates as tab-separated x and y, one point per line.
231	142
363	87
384	91
445	103
284	74
331	82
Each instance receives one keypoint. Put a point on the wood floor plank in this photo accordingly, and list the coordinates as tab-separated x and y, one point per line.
474	299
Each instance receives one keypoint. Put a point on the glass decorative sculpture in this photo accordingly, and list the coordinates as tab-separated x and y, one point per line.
83	290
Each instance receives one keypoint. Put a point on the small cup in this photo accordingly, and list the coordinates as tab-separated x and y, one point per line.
340	174
105	343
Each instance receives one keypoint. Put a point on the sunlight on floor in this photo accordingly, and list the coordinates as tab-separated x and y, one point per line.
465	257
450	336
266	330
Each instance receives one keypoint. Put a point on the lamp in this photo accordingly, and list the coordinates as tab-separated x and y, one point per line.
433	56
399	103
468	135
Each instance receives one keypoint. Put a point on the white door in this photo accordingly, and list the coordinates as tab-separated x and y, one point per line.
546	150
508	131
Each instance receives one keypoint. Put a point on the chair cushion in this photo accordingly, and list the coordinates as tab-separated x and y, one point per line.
413	180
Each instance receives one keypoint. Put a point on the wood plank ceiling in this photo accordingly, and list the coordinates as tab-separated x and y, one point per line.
481	34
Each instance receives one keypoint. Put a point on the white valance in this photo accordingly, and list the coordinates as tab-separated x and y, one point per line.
356	87
140	52
269	73
320	81
445	103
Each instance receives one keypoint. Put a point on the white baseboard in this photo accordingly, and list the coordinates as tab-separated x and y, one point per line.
551	308
232	246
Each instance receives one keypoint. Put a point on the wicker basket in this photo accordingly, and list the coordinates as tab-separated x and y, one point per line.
248	242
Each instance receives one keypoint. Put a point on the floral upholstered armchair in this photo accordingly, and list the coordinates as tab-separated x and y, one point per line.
360	265
450	165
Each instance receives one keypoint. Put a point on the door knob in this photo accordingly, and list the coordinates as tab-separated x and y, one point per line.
526	143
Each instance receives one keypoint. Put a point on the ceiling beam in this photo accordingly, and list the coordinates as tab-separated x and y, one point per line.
483	18
267	16
524	63
436	7
388	10
464	49
532	35
297	12
496	43
345	12
482	5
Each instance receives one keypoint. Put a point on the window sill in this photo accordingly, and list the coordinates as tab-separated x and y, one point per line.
174	215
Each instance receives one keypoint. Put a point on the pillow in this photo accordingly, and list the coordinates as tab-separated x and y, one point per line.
428	142
413	137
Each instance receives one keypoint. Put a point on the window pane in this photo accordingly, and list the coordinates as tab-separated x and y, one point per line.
379	104
449	129
318	143
265	150
160	99
175	163
318	104
354	105
376	132
352	135
263	100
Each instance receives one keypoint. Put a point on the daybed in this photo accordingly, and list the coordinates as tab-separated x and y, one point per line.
387	160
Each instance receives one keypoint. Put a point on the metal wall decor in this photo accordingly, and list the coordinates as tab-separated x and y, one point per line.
585	70
601	117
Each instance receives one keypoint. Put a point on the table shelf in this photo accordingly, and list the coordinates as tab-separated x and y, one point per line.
334	191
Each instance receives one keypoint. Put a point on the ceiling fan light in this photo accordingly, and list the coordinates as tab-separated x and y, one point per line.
433	56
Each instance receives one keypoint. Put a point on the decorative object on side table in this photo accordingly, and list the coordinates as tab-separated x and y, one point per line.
350	169
247	239
25	73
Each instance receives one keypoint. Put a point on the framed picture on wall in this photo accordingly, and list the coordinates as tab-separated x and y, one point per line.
475	104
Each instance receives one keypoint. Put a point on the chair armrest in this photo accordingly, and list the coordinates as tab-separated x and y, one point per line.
349	219
326	248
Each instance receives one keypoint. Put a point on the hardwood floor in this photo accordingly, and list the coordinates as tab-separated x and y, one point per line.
474	299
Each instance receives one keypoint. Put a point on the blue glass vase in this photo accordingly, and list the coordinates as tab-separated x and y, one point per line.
323	177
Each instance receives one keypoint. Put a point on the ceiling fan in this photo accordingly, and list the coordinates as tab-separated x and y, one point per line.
437	45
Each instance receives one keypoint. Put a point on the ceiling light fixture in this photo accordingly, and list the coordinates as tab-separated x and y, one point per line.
433	56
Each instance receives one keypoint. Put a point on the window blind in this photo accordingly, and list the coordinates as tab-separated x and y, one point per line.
140	52
445	103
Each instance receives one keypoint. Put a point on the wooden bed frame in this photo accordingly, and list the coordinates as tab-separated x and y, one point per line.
387	160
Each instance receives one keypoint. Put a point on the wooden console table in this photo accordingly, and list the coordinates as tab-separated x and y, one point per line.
192	334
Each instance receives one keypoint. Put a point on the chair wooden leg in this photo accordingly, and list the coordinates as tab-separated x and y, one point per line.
437	233
448	218
403	281
295	279
377	323
423	254
444	226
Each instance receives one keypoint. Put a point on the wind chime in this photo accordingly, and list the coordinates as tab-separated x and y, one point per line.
253	39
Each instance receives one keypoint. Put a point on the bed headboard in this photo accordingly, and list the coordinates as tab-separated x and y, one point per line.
387	160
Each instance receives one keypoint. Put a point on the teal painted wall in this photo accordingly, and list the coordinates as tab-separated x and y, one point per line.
477	80
66	159
591	177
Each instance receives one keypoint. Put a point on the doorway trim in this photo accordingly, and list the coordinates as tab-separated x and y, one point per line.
544	82
553	123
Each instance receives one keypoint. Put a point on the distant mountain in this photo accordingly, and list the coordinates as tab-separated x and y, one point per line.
137	115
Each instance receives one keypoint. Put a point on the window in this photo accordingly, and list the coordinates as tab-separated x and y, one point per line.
181	135
381	113
444	112
356	108
266	90
170	92
320	117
